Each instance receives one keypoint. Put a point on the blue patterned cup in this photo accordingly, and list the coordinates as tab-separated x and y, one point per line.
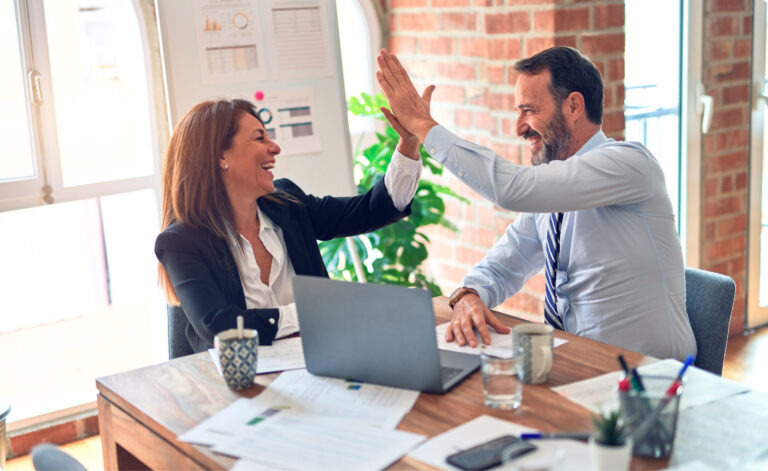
237	356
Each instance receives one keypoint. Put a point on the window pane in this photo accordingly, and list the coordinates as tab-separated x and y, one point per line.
652	81
81	300
17	161
100	90
356	61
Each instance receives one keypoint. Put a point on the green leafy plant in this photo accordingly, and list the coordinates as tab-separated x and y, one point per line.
611	430
395	253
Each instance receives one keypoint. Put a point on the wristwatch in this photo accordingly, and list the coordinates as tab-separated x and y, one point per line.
458	294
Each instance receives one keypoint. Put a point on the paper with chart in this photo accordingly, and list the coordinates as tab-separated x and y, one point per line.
290	443
290	118
726	434
299	32
565	455
273	437
307	394
230	41
497	340
284	354
699	387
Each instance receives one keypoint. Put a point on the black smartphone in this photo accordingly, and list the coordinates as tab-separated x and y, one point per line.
488	454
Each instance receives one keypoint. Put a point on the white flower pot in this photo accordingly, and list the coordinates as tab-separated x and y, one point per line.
610	458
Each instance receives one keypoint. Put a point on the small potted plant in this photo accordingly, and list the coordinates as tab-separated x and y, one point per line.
610	445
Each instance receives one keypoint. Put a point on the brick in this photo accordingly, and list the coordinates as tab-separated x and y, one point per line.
468	213
525	302
483	120
452	208
473	47
722	206
534	44
450	3
451	273
437	46
456	70
485	215
738	266
597	44
608	16
726	248
463	118
719	50
572	19
726	5
710	186
417	21
504	49
479	98
715	142
727	118
722	26
728	162
509	126
731	226
477	235
501	223
726	184
746	25
741	181
496	74
742	48
738	138
613	122
449	94
729	72
710	229
440	250
457	21
468	256
407	4
502	101
402	44
736	94
616	69
504	23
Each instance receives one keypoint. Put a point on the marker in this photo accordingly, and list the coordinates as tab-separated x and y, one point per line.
623	364
636	380
541	436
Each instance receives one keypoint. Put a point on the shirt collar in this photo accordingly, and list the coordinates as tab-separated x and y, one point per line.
594	141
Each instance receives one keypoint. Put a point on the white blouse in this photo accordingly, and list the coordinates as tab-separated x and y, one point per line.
401	181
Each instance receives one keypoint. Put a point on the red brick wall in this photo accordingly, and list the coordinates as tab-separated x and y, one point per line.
467	48
725	153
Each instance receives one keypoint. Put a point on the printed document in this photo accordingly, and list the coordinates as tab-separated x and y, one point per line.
497	340
699	387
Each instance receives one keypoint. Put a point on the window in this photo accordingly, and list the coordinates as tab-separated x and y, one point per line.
78	198
360	39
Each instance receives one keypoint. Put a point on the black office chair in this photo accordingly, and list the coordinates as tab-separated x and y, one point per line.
709	302
178	345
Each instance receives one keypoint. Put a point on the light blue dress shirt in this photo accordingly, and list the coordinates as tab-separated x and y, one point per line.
620	276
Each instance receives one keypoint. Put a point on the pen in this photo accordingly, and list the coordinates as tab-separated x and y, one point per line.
636	380
539	436
623	364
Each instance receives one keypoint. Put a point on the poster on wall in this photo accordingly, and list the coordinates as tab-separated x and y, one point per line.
290	119
300	31
230	41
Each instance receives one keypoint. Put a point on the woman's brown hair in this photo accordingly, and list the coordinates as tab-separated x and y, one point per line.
193	192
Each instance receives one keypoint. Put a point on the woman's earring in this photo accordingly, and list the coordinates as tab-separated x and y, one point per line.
226	166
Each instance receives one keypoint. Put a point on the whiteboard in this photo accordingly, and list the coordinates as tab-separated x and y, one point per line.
283	55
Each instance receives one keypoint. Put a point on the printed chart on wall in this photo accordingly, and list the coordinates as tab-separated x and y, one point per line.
299	31
230	42
289	118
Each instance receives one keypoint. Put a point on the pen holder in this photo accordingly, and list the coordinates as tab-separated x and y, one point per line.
651	416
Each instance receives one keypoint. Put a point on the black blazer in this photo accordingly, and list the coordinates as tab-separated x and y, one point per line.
205	277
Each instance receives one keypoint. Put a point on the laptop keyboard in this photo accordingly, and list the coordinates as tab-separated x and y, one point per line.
449	373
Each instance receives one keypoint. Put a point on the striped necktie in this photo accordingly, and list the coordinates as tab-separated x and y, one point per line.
552	252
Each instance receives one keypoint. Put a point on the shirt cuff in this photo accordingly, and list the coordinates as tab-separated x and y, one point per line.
288	323
439	141
402	179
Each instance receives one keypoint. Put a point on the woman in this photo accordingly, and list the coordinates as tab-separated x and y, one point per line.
232	237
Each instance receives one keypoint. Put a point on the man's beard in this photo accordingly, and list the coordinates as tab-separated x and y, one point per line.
555	142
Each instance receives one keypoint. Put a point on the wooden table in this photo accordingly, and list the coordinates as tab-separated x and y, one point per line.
141	412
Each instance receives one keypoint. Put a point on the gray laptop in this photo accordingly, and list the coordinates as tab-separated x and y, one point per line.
374	333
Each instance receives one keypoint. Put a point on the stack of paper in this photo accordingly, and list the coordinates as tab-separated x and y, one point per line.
303	421
497	341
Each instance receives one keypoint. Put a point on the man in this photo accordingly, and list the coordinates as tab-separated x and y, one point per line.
595	212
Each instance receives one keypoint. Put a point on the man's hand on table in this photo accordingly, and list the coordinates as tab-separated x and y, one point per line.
471	313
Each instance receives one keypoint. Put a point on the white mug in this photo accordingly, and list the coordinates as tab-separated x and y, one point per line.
534	342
